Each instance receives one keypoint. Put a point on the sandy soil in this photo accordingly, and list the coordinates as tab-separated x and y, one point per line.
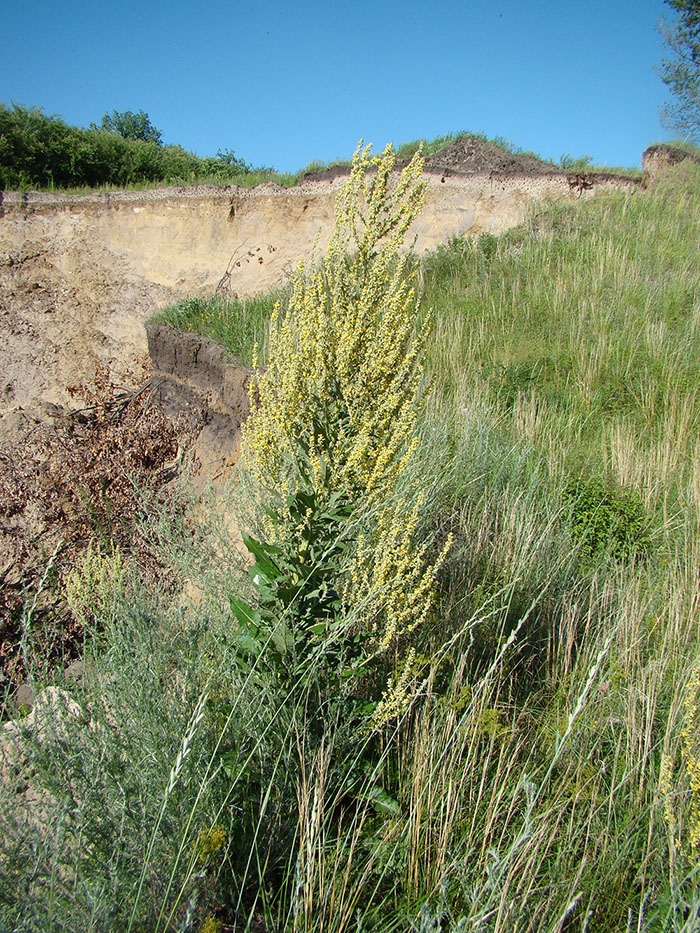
80	275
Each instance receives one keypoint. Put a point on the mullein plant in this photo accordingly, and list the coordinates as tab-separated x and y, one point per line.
680	789
331	441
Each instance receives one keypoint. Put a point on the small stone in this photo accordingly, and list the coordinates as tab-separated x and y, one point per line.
24	696
74	671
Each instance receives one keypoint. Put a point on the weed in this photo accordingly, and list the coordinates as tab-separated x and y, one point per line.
603	518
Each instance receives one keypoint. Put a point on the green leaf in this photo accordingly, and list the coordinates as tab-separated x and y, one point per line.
264	566
380	800
282	638
245	614
250	620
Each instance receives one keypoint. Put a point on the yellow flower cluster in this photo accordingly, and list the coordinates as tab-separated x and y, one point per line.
94	582
396	698
209	842
685	832
211	925
691	759
390	577
344	375
347	352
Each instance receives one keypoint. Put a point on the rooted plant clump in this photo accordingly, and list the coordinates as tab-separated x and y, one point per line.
335	424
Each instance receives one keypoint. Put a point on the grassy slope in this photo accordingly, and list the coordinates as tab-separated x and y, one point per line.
570	347
527	789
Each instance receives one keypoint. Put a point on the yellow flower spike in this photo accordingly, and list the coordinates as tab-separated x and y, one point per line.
348	341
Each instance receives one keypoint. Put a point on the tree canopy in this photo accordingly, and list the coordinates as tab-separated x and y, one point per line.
132	125
681	71
42	150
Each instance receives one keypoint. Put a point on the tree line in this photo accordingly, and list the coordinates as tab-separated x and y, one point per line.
42	151
681	71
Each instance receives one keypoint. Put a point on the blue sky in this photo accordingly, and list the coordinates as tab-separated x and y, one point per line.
283	83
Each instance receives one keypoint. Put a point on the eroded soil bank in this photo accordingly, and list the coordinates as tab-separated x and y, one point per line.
80	274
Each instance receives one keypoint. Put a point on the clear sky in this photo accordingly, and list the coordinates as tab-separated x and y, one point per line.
283	83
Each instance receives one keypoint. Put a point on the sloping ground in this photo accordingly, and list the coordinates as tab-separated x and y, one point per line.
470	155
80	274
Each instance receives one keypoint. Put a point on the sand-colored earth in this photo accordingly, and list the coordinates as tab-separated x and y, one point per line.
80	274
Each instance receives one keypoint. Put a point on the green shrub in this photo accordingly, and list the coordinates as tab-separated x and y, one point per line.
605	518
38	150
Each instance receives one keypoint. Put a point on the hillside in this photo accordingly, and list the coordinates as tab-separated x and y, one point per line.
448	679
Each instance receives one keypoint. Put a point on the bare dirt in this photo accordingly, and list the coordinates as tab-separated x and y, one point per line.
468	155
62	316
660	156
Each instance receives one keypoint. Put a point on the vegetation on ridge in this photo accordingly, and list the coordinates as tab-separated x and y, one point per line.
41	151
126	151
681	72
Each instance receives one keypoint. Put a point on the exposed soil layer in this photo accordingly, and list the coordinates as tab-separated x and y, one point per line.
661	156
69	479
470	155
193	373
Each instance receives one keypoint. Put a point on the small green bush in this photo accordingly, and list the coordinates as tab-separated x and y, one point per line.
606	518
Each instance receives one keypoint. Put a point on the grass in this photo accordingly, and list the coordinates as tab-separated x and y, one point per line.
586	322
237	324
542	778
248	179
683	144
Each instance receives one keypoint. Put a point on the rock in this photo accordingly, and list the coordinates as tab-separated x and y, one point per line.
51	711
24	696
661	156
49	721
74	671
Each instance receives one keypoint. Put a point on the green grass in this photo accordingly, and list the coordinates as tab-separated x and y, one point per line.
242	180
237	324
585	320
431	147
683	144
534	782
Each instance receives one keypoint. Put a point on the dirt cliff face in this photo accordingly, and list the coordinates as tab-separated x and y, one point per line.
661	156
80	274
